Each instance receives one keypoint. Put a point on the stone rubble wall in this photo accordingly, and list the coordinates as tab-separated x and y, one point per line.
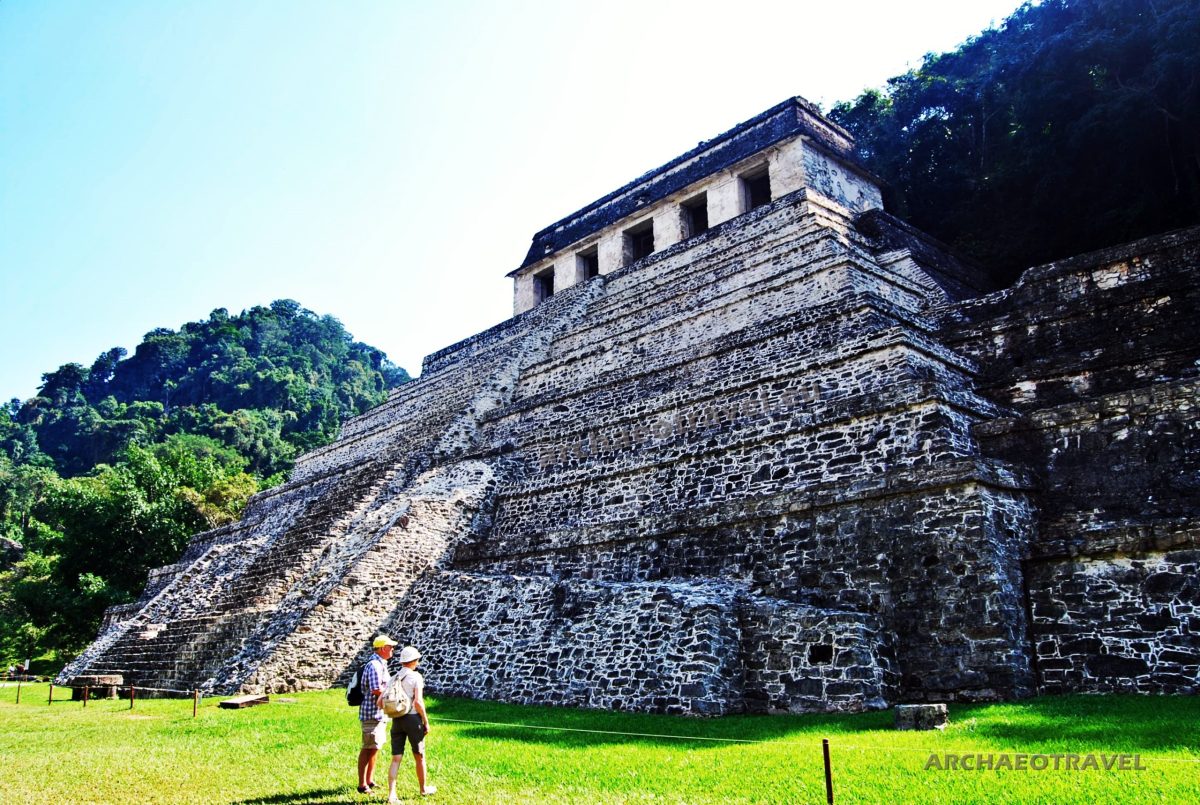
1110	321
802	659
790	364
1119	624
667	646
1099	359
1131	456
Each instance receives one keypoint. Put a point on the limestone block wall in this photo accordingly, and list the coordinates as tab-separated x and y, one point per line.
1127	624
767	366
667	647
1109	321
1125	456
802	659
935	559
1097	355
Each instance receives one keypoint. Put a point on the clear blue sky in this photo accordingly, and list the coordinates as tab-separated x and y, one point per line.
383	162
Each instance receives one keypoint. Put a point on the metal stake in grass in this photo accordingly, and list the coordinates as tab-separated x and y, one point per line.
828	772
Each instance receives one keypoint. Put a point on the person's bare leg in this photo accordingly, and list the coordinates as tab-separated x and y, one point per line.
419	761
393	773
366	766
371	767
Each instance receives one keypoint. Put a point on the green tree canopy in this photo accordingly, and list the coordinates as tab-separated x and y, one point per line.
270	382
110	470
1074	126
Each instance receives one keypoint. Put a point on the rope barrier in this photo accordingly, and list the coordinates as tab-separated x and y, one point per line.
960	750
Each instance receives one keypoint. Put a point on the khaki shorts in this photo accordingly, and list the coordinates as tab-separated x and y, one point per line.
374	734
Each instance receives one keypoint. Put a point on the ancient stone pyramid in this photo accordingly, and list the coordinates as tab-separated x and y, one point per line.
777	455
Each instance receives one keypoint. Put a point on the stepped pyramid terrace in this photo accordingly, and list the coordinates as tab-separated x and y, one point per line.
749	443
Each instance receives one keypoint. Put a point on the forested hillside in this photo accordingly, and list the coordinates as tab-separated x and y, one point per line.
111	468
1074	125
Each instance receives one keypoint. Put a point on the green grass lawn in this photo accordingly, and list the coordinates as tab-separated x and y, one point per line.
303	750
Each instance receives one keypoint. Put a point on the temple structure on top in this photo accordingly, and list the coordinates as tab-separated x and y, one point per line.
786	148
749	443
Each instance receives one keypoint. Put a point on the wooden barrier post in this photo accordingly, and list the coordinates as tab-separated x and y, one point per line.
195	701
828	772
18	690
85	695
50	698
132	695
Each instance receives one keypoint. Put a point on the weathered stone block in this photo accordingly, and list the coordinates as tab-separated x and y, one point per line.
99	686
922	716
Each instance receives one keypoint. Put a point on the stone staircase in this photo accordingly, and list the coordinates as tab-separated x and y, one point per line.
239	594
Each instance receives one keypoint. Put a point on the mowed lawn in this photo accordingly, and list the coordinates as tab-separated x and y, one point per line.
301	748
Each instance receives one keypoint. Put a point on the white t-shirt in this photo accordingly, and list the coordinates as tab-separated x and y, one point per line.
411	682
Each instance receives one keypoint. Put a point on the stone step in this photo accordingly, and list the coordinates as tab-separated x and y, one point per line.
845	363
680	340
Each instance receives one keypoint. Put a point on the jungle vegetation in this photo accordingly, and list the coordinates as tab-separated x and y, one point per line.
1072	126
112	467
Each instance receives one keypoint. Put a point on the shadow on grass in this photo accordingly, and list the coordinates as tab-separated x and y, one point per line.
572	740
1082	722
571	727
1068	723
325	795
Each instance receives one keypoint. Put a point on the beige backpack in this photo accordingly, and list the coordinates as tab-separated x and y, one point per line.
396	701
